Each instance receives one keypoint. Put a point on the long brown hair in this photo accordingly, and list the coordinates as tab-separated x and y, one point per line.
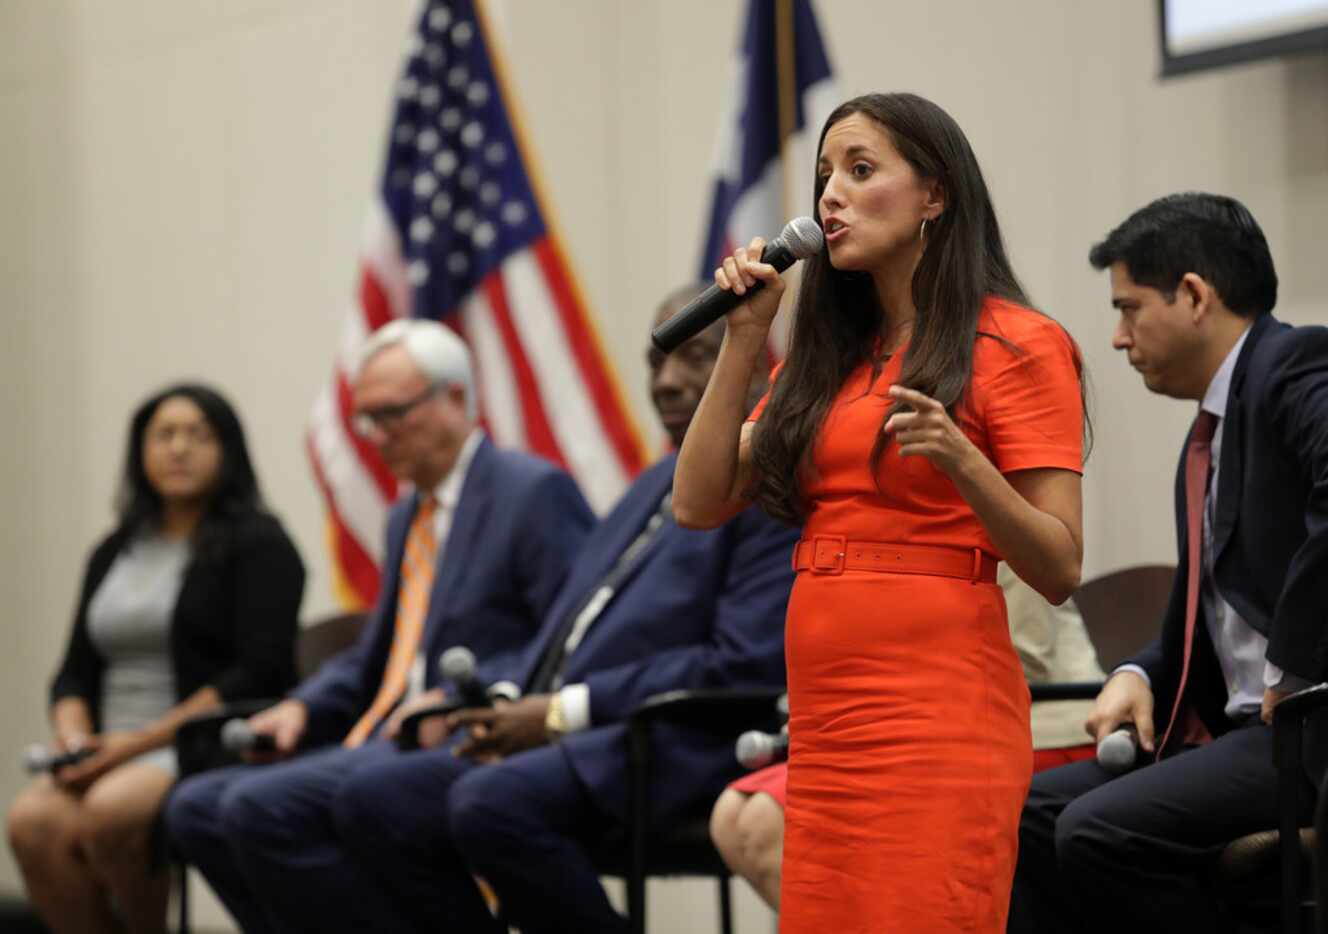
839	316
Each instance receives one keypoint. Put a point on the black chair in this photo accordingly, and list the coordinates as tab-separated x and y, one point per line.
1320	858
1269	880
198	746
1264	880
685	849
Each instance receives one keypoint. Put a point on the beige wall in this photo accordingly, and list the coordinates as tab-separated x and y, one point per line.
182	185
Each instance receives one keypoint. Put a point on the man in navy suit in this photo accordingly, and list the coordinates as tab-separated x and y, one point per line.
1193	280
475	555
518	793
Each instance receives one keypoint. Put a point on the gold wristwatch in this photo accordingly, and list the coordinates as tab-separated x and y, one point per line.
555	722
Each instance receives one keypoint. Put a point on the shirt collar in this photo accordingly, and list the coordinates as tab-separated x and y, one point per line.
1215	399
449	490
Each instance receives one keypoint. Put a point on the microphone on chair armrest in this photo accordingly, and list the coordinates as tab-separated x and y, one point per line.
755	750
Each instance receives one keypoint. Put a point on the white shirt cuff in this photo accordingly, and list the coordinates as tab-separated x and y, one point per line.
1137	670
507	690
575	699
1274	677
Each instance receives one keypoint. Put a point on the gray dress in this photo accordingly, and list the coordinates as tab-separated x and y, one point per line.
129	622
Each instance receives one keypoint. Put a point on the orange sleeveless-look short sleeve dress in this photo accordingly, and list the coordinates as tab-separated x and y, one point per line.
910	750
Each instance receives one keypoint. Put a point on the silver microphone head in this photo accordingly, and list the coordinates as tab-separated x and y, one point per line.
236	735
755	749
457	664
35	758
802	236
1117	751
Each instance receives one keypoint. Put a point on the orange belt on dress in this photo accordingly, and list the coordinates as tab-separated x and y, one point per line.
833	554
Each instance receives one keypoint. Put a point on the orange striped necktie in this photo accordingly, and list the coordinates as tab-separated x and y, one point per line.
417	567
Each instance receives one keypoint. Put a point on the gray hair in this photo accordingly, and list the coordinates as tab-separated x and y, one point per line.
436	350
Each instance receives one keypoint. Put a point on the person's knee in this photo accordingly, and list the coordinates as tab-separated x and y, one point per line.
1078	835
761	833
111	836
244	812
724	831
38	825
362	813
190	814
478	814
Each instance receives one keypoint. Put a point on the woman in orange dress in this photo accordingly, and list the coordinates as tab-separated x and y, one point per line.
925	425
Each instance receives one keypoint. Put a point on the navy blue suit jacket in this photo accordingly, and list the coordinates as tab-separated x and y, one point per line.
1270	532
519	523
701	610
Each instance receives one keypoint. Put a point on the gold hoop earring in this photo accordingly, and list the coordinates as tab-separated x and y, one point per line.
922	231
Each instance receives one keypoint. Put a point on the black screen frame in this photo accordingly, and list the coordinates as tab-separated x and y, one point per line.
1292	43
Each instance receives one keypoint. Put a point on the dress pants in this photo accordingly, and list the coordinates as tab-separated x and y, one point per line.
526	825
376	839
273	841
522	824
1129	853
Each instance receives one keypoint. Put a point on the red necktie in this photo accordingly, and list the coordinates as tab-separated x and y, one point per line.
1198	455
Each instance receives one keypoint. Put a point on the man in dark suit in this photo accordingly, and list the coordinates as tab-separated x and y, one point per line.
475	555
518	793
1193	280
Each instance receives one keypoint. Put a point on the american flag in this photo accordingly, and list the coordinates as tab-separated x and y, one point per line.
764	163
460	233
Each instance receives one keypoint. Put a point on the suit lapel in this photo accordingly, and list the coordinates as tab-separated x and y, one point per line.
1230	478
647	492
1231	469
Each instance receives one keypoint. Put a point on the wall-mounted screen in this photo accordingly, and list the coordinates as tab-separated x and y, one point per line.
1199	34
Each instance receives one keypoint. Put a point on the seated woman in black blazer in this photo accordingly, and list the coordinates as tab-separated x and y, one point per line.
191	602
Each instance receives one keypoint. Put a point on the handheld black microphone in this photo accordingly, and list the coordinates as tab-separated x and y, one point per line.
799	239
238	737
38	758
755	750
1117	750
458	666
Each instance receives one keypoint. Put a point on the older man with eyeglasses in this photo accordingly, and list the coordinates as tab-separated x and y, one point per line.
476	551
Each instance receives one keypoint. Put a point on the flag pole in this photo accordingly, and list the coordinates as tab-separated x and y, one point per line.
787	87
786	67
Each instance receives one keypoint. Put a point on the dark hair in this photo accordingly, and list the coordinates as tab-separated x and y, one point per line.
1212	236
833	332
234	498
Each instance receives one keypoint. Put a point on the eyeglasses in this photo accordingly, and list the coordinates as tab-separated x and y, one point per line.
388	417
193	434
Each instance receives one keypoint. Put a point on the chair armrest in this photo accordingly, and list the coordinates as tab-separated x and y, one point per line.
1301	704
1289	728
198	740
1069	690
409	737
716	710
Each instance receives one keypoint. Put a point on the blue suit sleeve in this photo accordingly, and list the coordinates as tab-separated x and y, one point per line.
342	688
746	643
1296	398
558	521
555	523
